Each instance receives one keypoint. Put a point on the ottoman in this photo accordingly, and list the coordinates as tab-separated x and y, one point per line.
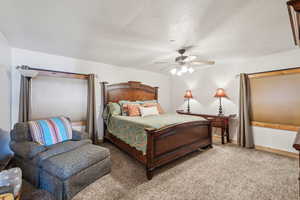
38	195
64	175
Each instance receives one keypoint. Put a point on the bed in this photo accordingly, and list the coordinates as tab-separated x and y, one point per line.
152	140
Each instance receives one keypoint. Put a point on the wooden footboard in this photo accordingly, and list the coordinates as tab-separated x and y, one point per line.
167	144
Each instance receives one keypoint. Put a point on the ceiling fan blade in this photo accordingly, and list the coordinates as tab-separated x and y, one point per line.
189	47
201	62
161	62
168	68
199	67
190	58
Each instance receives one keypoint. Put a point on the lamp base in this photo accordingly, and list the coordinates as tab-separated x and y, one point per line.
220	108
188	107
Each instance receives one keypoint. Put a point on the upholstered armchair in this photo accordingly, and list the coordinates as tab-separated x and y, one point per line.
62	169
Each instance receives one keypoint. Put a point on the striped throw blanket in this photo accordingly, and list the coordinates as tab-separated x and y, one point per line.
50	131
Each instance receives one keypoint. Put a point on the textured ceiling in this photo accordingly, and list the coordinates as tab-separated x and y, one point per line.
135	33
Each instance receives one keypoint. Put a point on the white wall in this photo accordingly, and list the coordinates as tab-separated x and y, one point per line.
5	86
204	82
105	72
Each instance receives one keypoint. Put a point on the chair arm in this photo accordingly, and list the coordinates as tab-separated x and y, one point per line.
79	135
4	162
297	141
27	150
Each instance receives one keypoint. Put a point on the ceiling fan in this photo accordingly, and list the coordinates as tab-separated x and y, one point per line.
185	63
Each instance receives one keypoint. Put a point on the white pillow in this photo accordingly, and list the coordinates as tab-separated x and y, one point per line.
146	111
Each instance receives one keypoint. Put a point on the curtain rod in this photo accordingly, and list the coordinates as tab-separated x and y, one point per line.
276	70
25	67
47	72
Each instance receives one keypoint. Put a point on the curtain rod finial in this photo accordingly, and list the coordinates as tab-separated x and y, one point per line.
26	71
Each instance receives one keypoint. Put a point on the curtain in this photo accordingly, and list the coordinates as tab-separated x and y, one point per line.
245	135
92	125
25	99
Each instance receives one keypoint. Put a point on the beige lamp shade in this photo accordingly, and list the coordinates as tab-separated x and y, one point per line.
188	94
220	93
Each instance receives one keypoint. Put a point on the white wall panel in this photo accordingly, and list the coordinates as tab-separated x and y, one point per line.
52	96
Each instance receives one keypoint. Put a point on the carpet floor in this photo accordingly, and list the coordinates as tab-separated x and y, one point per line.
225	172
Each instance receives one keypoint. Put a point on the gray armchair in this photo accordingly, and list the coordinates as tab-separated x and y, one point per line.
64	168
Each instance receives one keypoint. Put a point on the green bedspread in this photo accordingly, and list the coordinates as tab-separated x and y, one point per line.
132	129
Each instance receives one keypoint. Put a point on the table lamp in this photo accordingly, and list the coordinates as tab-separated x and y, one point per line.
220	93
188	95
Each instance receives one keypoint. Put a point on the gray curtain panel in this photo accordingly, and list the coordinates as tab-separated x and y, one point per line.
92	124
245	135
25	99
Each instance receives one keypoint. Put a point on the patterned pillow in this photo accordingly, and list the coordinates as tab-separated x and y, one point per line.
159	108
133	110
124	108
50	131
121	103
114	108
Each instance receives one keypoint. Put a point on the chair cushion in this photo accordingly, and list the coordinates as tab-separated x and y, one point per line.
67	164
51	131
38	195
59	148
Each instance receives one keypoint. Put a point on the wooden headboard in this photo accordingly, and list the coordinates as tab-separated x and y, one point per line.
131	91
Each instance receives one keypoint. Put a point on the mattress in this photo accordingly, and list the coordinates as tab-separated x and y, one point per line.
131	130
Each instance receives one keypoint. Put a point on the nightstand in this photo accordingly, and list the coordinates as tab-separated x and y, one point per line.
217	121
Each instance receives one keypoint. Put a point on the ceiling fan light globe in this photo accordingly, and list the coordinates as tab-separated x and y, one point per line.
190	58
191	70
179	73
173	71
184	69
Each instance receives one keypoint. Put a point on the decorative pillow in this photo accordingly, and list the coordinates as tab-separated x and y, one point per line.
132	106
114	108
50	131
124	107
133	110
159	108
146	111
121	103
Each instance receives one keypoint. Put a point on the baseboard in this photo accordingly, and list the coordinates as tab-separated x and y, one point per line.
266	149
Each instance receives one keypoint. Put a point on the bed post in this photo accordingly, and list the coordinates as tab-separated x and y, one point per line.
150	153
104	102
210	135
156	93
